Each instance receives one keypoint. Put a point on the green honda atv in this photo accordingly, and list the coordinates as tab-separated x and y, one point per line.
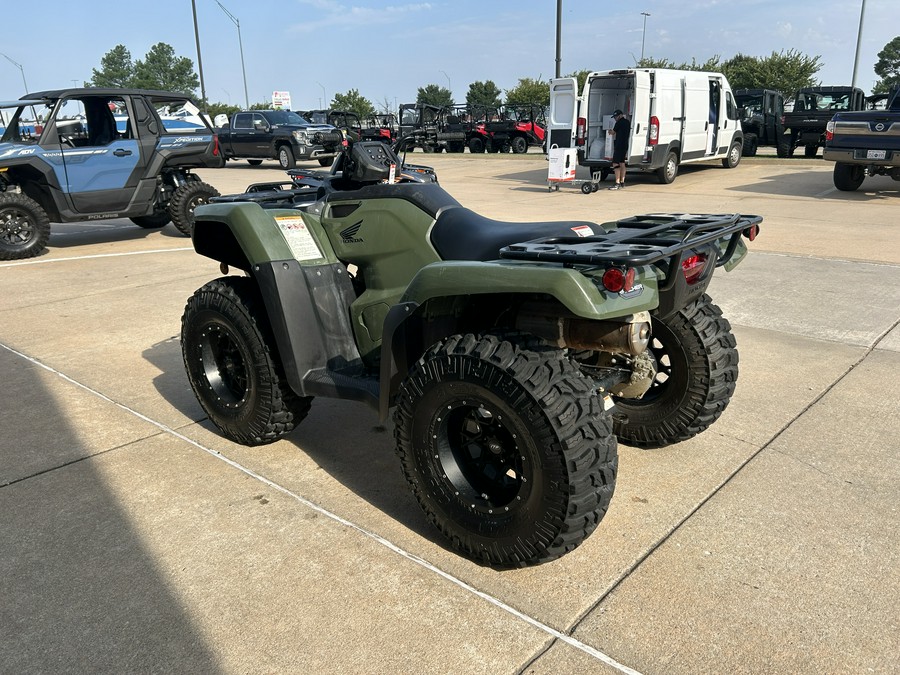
513	354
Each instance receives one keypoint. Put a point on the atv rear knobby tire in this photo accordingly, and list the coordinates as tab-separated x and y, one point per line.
476	146
697	369
185	199
24	227
507	449
519	145
233	365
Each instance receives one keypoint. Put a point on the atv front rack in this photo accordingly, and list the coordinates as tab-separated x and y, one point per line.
642	240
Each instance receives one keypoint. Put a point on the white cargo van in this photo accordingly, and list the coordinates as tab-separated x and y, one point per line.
677	117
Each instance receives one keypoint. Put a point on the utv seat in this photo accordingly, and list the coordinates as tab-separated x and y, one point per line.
461	234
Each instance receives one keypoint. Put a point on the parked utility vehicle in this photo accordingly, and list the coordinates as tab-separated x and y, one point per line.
513	354
677	117
92	154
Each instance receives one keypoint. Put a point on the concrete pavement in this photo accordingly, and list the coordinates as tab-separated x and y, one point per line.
135	538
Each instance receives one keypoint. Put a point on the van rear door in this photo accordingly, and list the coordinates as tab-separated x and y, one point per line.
563	118
696	135
640	117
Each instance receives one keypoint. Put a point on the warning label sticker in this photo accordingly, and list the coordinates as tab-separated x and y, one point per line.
583	231
299	238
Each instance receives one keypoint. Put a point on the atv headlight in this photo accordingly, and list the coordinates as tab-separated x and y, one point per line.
300	137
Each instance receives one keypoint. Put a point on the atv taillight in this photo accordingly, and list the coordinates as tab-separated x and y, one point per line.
616	279
693	268
579	131
751	232
654	130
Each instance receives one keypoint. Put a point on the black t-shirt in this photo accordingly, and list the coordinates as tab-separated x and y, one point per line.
622	129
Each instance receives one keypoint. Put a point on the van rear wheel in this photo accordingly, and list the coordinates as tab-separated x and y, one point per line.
667	172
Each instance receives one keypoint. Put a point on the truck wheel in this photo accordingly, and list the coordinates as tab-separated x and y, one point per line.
848	177
286	157
185	199
154	221
810	150
519	145
792	145
733	158
233	366
697	368
476	145
254	162
506	449
667	172
751	142
24	227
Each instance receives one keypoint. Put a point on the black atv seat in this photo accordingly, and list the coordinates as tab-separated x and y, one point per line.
461	234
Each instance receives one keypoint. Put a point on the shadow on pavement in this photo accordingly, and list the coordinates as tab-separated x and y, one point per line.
80	592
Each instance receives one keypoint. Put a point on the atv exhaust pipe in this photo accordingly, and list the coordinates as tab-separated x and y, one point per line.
627	335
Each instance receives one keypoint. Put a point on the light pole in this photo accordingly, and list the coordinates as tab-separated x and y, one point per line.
644	33
324	95
21	69
241	46
862	11
199	60
449	88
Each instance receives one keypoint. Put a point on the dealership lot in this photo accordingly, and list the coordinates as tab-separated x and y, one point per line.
134	537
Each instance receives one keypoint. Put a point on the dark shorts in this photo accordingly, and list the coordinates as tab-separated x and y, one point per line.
619	155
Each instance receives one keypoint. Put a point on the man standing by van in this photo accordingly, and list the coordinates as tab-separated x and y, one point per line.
620	133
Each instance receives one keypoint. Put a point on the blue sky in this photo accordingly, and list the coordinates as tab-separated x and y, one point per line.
316	48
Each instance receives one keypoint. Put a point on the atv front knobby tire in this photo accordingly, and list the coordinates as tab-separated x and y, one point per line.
233	366
507	449
24	227
697	369
185	199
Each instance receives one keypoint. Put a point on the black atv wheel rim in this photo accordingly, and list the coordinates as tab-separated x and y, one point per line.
192	204
16	227
224	365
478	455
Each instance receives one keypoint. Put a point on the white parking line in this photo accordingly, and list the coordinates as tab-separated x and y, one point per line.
89	257
549	630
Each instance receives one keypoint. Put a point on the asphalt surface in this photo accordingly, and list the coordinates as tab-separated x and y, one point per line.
134	538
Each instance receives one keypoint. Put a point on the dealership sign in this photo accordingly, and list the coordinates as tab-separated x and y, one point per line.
281	99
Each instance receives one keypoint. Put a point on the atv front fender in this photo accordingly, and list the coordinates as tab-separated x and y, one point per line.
243	234
578	292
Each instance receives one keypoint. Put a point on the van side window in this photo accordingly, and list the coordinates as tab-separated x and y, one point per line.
730	108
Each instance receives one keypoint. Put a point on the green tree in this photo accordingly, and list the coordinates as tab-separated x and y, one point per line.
214	109
784	71
116	69
352	101
483	94
435	95
888	66
161	69
711	64
529	90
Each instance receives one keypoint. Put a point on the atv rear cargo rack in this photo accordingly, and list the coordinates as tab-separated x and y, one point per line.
641	240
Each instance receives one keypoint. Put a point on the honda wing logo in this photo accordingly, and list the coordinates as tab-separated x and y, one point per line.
348	235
